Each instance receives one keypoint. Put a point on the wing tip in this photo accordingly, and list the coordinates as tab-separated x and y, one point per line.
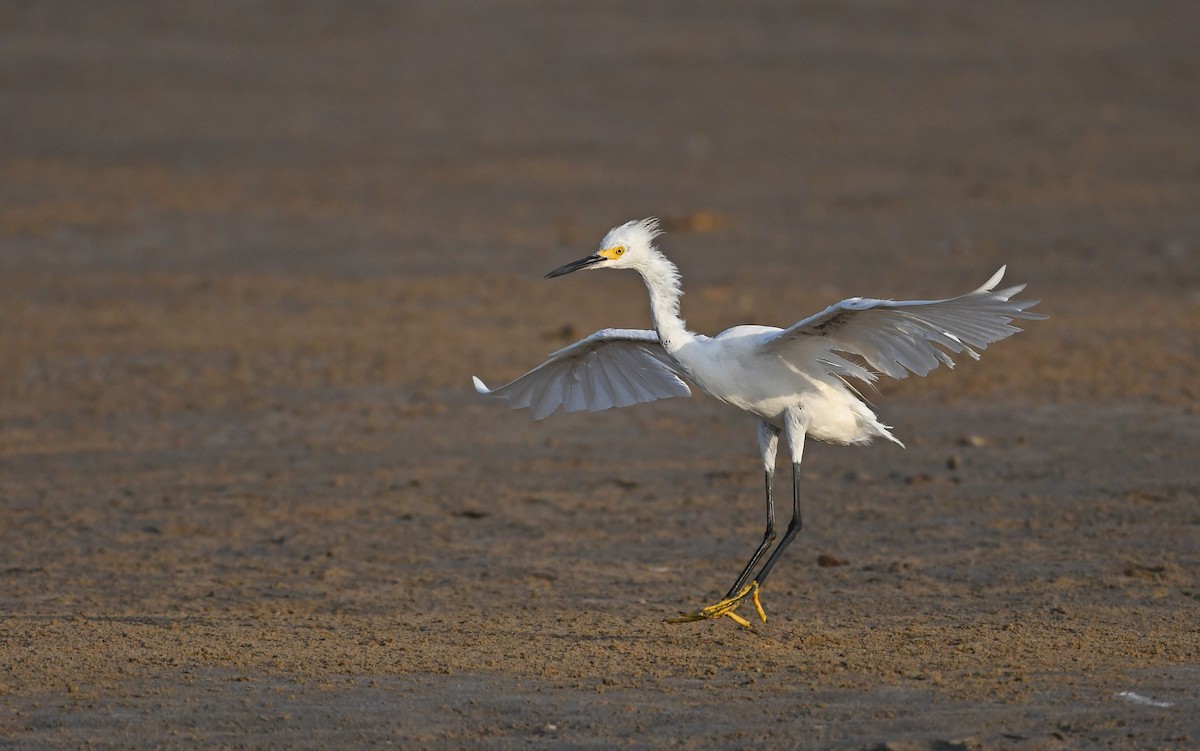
990	284
480	388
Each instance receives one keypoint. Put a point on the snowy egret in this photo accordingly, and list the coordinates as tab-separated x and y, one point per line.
794	380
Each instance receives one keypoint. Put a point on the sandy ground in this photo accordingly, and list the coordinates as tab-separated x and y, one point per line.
251	254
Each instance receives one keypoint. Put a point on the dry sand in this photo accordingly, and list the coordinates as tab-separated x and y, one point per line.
251	254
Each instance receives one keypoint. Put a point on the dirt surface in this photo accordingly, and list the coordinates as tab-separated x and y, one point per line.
251	254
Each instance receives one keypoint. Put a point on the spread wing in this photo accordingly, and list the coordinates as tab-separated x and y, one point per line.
896	337
610	368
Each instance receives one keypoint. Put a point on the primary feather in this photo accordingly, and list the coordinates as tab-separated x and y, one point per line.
911	336
610	368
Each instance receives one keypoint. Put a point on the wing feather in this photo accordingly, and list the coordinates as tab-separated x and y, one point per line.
898	337
596	382
637	371
551	392
621	393
613	367
616	368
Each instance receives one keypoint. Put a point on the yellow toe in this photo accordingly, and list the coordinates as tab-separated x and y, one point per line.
758	605
726	607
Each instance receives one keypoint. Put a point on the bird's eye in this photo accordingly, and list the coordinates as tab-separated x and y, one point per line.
619	249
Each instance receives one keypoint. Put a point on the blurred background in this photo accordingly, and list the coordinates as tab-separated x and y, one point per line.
372	138
821	149
251	253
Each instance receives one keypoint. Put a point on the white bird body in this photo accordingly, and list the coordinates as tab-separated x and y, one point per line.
738	367
795	380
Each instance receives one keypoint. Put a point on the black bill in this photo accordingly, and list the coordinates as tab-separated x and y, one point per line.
582	263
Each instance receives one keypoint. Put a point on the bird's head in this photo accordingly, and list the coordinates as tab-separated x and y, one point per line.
623	247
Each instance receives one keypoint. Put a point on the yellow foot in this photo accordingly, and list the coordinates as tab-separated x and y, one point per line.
726	607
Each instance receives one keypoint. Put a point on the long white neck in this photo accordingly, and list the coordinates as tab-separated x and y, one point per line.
662	282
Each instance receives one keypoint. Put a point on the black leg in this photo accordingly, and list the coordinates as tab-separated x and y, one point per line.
793	527
768	538
796	425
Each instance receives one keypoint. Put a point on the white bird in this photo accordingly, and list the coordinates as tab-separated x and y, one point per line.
794	380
